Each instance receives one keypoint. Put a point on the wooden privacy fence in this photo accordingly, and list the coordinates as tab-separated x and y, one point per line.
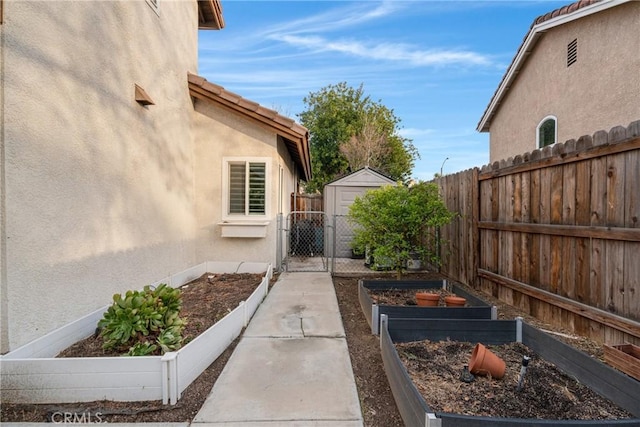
306	202
555	232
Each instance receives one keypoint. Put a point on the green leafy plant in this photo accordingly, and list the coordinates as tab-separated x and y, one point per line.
142	318
396	221
142	349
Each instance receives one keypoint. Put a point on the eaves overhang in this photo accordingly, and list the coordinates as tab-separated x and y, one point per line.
542	24
210	15
294	135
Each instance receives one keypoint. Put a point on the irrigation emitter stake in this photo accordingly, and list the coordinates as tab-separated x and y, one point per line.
523	370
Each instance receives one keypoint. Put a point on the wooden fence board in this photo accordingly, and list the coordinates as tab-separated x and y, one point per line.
516	216
598	218
615	249
534	242
568	243
583	218
472	221
555	279
566	221
631	250
525	237
487	237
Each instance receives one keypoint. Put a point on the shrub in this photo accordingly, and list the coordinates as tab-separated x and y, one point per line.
143	321
394	221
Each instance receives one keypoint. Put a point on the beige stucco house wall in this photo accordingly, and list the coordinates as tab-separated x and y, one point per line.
99	193
238	138
599	91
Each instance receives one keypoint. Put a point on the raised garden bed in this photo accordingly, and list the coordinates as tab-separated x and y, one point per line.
476	308
32	373
620	389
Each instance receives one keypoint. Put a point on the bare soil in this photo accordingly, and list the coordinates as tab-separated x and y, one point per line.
406	296
208	304
546	392
436	367
204	301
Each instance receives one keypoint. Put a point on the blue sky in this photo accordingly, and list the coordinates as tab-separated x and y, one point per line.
435	63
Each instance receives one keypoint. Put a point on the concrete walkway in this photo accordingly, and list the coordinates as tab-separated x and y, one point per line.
291	366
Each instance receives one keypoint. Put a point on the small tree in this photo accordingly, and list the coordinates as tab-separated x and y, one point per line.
394	221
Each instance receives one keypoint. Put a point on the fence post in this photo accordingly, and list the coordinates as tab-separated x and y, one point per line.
333	244
279	242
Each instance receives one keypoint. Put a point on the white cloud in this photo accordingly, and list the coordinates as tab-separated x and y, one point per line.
338	18
398	52
415	132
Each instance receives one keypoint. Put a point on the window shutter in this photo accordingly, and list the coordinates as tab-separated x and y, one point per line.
237	188
257	188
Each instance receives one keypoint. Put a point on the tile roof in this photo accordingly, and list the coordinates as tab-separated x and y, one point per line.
295	136
541	24
565	10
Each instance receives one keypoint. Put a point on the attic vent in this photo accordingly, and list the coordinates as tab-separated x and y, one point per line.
142	97
572	52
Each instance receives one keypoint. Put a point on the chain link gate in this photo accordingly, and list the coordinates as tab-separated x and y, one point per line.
343	259
312	241
305	241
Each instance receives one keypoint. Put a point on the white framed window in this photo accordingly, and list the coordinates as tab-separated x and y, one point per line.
245	188
547	131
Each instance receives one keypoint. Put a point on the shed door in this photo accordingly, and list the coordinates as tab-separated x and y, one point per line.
344	198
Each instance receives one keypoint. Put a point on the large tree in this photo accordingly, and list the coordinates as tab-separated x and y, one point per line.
349	131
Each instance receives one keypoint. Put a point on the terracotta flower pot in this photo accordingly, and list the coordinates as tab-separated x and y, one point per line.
454	301
426	299
485	362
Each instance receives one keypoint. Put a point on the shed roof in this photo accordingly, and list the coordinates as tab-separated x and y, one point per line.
364	177
540	25
295	136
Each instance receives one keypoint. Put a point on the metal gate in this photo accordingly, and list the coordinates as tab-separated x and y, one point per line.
304	241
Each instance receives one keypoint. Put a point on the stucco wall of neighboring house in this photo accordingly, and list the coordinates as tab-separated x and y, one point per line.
224	134
599	91
98	190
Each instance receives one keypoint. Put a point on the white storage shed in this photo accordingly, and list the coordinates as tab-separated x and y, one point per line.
339	195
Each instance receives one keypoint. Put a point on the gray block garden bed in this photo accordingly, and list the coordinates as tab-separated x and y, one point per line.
476	308
588	373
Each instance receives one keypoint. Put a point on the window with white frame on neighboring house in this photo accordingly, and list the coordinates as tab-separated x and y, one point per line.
547	131
245	187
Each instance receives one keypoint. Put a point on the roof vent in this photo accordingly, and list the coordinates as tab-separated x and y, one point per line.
572	52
